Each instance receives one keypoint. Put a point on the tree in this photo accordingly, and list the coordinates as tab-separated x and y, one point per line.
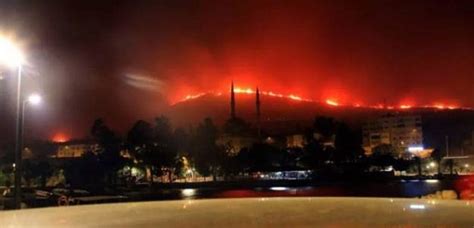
347	146
314	155
140	145
383	156
418	162
37	169
438	157
165	146
207	155
260	157
325	126
84	171
109	148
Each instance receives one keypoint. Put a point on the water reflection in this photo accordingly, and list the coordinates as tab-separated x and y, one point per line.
368	189
279	188
188	193
417	206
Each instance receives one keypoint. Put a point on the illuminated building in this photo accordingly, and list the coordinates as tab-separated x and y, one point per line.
74	149
402	132
295	140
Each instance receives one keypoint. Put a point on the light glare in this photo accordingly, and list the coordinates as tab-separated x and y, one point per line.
34	99
10	55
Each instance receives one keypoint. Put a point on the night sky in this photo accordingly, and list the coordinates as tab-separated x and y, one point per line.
125	60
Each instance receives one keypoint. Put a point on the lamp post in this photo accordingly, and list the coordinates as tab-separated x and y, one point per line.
11	56
19	141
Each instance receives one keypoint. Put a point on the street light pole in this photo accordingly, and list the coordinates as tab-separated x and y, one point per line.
19	141
11	56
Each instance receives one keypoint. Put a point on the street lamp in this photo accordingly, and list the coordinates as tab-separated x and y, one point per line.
11	56
34	99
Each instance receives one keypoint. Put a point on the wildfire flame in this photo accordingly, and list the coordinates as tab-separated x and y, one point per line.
59	138
330	101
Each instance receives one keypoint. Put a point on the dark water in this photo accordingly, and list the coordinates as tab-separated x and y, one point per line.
408	188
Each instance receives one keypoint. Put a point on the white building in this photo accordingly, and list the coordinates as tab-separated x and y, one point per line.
401	131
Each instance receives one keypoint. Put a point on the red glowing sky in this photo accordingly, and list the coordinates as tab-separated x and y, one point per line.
125	61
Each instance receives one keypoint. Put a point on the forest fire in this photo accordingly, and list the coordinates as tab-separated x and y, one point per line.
329	101
239	90
60	138
332	102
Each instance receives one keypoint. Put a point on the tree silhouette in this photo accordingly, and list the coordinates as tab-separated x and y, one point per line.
438	157
165	146
383	156
325	126
109	147
141	147
207	155
83	172
347	146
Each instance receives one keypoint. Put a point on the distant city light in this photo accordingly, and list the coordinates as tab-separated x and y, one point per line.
278	188
414	149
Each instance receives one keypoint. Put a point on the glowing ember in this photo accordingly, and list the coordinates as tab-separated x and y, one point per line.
332	102
405	106
294	97
439	106
190	97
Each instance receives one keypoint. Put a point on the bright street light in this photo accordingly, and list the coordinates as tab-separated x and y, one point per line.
10	55
34	99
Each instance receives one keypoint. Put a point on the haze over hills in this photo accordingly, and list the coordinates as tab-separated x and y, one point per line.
458	124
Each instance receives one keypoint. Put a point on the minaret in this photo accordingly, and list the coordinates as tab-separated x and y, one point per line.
257	103
232	101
